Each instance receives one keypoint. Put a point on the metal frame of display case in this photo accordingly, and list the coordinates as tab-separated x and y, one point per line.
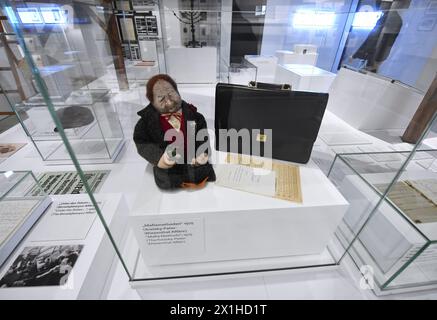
101	147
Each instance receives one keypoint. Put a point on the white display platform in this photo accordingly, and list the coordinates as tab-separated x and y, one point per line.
192	65
90	272
291	57
266	67
369	102
304	77
224	224
303	48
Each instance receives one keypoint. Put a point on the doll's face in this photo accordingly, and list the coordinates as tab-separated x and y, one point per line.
165	98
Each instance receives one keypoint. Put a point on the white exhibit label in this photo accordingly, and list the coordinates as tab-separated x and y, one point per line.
66	220
171	240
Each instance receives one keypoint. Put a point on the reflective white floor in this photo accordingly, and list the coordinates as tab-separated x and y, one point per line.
338	283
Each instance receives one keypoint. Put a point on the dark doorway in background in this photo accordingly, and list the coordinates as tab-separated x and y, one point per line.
247	28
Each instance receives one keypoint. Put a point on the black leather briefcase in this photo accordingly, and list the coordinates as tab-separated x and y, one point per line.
294	118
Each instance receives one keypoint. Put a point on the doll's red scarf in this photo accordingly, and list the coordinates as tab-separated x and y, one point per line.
166	125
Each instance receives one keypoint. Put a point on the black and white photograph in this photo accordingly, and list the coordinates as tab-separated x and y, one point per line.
42	266
69	182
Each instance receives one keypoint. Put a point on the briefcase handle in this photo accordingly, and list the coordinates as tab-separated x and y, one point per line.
269	86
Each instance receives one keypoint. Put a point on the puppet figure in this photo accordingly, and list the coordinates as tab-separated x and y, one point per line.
172	136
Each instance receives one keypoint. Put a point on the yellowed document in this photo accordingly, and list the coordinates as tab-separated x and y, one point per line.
418	205
427	187
287	176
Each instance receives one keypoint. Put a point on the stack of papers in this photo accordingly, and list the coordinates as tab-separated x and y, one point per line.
260	176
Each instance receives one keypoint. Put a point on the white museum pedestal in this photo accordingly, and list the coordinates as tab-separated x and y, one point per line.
223	230
392	228
304	77
369	102
192	65
266	67
291	57
89	274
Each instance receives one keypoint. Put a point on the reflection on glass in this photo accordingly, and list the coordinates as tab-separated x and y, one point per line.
127	29
52	15
29	15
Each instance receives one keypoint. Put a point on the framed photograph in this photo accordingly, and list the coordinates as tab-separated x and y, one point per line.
427	24
42	266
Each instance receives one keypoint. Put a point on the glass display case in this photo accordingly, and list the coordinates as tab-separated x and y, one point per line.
396	244
72	55
191	40
310	215
89	118
383	168
22	202
240	73
169	235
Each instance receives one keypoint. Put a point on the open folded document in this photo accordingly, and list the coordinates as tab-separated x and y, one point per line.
277	180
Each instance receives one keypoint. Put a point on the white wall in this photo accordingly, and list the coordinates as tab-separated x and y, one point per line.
429	71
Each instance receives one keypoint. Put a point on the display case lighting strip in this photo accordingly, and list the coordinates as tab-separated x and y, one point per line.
38	15
366	20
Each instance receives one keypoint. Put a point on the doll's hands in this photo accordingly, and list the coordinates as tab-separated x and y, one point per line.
200	160
165	162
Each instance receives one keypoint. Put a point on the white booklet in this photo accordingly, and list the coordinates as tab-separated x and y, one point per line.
245	178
